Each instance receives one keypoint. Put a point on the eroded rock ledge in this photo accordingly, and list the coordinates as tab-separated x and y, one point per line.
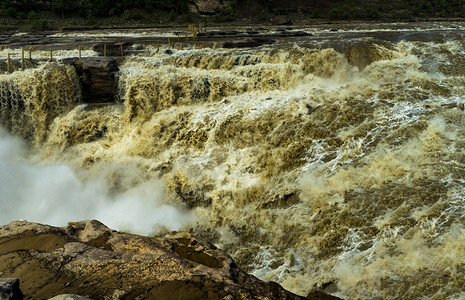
89	259
97	78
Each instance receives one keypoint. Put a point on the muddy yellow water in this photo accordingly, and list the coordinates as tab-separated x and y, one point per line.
318	168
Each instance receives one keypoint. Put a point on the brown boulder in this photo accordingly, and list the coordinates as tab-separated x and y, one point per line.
88	258
97	78
113	49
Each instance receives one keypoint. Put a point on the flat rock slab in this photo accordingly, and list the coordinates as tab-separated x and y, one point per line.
88	258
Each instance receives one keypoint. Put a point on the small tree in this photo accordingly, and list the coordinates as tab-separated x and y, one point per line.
62	6
59	6
267	4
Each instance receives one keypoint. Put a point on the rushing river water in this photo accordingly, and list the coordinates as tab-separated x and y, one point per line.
332	161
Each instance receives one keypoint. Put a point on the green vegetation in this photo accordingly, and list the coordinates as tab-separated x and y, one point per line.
54	14
39	25
90	8
228	14
396	9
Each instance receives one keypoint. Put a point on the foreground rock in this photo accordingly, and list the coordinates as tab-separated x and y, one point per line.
89	259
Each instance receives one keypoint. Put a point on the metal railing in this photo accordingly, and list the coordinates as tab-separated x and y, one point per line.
190	34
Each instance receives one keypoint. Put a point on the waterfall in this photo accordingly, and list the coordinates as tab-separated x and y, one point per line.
312	166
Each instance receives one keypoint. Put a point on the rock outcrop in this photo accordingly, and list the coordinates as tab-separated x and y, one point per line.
97	78
112	49
92	260
209	7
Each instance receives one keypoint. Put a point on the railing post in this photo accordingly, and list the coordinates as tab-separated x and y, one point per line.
51	55
79	51
105	50
22	58
122	51
8	63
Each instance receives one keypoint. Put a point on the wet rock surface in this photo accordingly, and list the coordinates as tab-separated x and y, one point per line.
97	78
89	259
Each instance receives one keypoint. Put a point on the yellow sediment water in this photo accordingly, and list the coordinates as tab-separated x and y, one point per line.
312	168
31	99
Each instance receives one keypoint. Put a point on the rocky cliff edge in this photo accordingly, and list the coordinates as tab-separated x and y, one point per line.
89	259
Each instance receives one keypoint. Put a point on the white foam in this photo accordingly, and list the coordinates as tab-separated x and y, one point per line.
53	194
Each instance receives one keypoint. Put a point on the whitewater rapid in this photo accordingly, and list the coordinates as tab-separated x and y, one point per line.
314	164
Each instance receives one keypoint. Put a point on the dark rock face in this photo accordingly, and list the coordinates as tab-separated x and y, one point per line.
90	259
9	289
318	295
97	77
